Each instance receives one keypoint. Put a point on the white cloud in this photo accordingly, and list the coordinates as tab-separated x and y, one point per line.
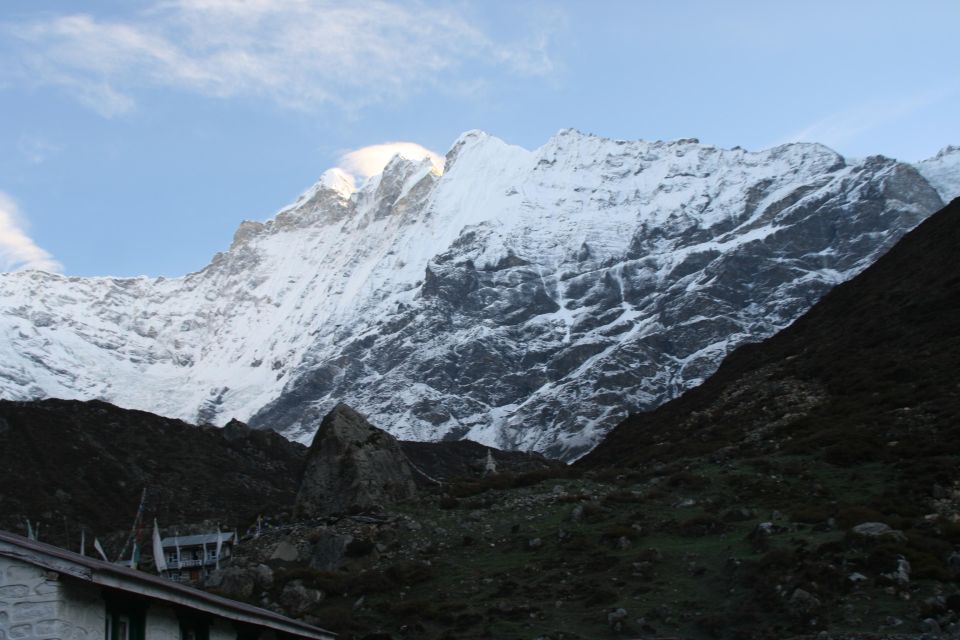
369	161
298	53
17	249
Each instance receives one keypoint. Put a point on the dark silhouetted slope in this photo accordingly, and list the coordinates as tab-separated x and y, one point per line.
71	463
870	373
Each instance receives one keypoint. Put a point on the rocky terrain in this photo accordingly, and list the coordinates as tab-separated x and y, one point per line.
523	299
67	465
810	489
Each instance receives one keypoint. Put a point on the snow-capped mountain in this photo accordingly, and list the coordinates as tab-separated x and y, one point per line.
943	172
524	299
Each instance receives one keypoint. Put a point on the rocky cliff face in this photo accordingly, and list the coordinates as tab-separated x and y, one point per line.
523	299
868	375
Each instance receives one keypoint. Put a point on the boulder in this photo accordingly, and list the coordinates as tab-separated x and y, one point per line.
352	465
329	550
233	582
878	530
617	619
297	598
285	551
803	603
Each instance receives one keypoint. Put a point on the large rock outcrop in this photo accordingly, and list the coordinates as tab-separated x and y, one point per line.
352	465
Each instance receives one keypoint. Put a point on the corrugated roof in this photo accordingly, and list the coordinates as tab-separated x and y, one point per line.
113	576
200	538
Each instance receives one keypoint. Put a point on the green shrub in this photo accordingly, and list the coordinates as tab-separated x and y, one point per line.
687	480
701	525
812	513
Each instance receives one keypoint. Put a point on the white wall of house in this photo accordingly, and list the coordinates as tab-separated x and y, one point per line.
36	605
222	630
162	623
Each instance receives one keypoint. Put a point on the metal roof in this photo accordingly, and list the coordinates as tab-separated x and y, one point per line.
197	539
87	569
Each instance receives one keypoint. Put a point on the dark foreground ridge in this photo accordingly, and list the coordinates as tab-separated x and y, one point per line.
68	464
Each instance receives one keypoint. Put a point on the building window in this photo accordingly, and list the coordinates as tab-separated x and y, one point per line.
125	619
194	628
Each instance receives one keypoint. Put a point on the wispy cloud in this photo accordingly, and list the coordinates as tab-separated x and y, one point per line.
17	249
369	161
842	127
35	149
298	53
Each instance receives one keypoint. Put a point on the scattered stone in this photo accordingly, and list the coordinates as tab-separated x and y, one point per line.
329	550
929	625
616	619
284	551
764	529
234	582
263	577
740	514
803	603
534	543
878	530
296	598
953	562
935	605
900	577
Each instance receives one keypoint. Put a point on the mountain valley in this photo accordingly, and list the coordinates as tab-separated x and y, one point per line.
810	488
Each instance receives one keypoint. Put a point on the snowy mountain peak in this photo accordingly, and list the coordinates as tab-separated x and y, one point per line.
943	172
338	181
949	150
526	299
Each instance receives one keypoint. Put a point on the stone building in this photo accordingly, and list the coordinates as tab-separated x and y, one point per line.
48	593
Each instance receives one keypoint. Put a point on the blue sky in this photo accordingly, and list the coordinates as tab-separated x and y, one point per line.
138	134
